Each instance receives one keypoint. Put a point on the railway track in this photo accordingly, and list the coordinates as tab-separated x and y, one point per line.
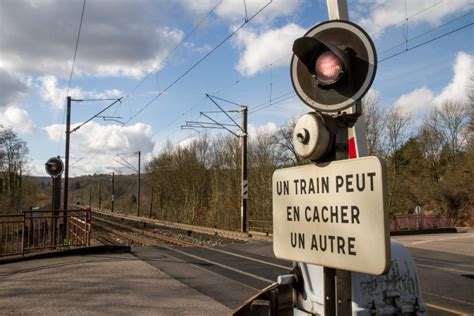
137	235
145	222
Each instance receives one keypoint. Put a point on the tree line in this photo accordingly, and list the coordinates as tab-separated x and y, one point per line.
430	163
17	191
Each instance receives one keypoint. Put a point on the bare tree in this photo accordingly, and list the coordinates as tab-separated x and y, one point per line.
373	122
13	151
283	139
450	121
396	133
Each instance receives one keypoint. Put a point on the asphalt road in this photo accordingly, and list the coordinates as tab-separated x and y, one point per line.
445	264
103	284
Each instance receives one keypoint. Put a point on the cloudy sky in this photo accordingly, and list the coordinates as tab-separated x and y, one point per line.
148	52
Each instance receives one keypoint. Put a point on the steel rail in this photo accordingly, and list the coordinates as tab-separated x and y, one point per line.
146	242
153	235
198	229
188	244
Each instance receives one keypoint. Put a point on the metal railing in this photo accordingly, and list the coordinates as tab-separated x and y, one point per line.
38	230
409	222
265	227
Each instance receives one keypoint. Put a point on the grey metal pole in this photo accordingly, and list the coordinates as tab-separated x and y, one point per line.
151	201
338	10
338	283
100	194
244	189
113	191
139	184
66	164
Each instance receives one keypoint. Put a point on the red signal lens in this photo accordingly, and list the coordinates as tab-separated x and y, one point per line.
328	68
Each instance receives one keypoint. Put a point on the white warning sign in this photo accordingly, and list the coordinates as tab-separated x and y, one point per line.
333	214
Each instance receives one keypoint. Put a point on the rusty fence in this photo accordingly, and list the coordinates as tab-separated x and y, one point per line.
409	222
260	226
40	230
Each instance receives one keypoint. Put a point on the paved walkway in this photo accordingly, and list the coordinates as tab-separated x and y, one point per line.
108	284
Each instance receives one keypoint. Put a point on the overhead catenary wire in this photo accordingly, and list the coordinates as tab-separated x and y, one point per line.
268	104
72	69
173	83
77	45
407	17
197	63
238	81
291	95
96	115
174	49
427	32
426	42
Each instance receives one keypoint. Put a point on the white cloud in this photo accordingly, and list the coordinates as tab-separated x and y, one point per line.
104	142
234	11
17	119
259	50
268	128
188	142
56	96
13	88
456	90
415	102
118	37
388	13
50	92
418	102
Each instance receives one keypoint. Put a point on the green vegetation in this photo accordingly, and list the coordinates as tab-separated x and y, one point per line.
430	163
17	192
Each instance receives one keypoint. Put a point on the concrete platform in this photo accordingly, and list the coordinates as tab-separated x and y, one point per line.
101	284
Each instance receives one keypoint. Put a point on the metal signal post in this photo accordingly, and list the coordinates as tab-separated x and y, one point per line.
333	66
66	169
245	182
243	135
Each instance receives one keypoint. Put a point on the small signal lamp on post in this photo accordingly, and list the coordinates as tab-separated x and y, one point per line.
54	168
333	67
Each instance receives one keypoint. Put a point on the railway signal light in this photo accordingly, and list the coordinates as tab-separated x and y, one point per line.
333	65
54	167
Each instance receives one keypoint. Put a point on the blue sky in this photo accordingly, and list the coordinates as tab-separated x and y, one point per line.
122	42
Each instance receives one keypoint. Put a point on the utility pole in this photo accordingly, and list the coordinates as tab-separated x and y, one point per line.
100	194
244	182
66	165
151	202
113	191
243	138
68	134
139	184
90	196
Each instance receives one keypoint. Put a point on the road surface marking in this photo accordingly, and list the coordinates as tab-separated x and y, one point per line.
249	258
449	298
217	264
441	239
445	269
446	262
445	309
